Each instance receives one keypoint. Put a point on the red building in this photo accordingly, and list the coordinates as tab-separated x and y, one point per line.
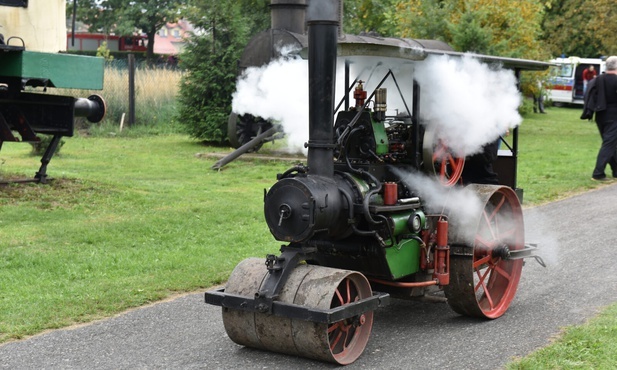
92	41
169	40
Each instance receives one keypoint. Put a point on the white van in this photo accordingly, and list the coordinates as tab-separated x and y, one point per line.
567	78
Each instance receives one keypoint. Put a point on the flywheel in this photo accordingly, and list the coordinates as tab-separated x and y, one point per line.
440	160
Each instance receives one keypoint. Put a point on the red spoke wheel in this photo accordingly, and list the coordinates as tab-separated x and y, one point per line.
483	281
311	286
440	160
346	337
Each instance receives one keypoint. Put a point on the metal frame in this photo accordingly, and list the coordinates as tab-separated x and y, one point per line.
265	300
220	298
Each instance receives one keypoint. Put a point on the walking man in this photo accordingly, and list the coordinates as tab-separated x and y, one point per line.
602	94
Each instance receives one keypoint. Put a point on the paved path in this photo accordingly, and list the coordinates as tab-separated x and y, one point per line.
578	238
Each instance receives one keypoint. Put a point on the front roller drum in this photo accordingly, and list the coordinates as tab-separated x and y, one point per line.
310	286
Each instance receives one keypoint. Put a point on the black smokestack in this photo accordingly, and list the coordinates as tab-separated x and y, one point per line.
288	15
322	33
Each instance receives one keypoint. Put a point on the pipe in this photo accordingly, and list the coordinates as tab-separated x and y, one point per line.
322	34
73	23
245	148
421	284
442	254
93	108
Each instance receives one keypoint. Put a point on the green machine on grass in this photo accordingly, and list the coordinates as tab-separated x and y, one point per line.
29	75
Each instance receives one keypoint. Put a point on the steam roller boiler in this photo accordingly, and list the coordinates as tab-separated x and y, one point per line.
357	231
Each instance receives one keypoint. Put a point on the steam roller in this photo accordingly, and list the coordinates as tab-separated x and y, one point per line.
372	214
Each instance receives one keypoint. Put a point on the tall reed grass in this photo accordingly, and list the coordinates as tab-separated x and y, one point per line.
156	92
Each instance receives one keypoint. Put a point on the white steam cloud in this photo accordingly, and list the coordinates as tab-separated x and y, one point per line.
277	92
469	102
542	234
461	205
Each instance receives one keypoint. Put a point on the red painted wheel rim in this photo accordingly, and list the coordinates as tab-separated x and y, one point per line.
347	338
448	168
496	279
483	281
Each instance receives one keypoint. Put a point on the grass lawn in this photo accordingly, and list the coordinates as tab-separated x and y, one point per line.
128	221
557	155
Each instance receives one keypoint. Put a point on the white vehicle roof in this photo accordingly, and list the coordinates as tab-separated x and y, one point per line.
577	60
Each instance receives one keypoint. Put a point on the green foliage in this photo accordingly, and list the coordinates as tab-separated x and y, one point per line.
256	14
569	28
210	60
494	27
428	19
39	147
526	107
103	51
498	27
470	35
370	16
583	28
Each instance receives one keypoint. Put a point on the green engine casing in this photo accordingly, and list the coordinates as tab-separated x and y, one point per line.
403	258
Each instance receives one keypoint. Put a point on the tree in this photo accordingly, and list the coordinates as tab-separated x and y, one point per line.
604	26
470	35
127	17
210	60
425	19
583	28
370	16
501	27
150	15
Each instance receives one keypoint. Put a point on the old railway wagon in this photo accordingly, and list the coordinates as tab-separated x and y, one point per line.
32	66
356	229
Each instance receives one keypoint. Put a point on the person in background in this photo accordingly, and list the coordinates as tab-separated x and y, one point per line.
602	98
588	74
538	99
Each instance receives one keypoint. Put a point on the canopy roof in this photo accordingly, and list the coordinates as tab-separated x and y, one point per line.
417	50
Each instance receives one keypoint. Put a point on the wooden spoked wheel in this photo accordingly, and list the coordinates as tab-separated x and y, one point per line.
483	281
243	128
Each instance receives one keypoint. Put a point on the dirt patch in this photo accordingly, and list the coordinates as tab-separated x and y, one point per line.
56	193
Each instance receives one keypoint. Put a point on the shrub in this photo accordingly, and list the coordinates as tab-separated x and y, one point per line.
211	61
526	107
39	147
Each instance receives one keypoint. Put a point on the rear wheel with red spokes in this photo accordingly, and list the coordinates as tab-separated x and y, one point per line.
483	281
